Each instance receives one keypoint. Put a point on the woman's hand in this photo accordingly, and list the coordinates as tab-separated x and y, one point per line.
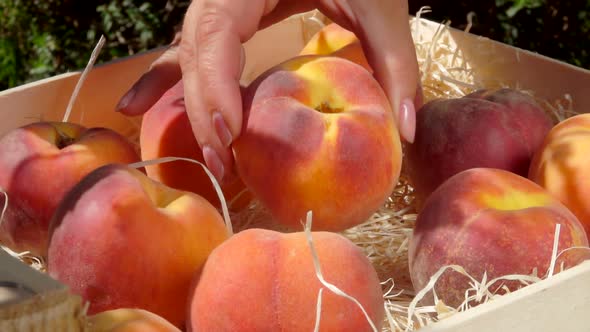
209	57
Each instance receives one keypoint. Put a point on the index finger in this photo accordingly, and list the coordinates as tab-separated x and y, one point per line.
384	31
211	58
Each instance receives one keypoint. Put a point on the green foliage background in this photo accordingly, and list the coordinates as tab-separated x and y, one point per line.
44	38
559	29
41	38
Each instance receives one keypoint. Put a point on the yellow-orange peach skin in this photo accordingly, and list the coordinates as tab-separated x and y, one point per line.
333	40
328	39
39	163
122	240
128	320
562	165
490	221
263	280
318	134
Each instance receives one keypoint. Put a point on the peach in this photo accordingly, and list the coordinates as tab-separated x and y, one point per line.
263	280
128	320
39	163
166	132
499	128
318	134
122	240
490	221
355	53
560	165
328	39
334	40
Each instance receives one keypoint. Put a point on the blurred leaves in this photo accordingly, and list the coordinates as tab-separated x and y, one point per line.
559	29
40	38
517	5
45	38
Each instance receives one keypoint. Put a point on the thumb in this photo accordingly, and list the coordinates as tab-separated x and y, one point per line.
384	30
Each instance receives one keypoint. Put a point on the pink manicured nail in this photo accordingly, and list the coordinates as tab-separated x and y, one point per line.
223	132
126	100
407	120
213	162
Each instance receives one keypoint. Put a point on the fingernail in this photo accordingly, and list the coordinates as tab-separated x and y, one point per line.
242	59
222	131
407	120
213	162
126	100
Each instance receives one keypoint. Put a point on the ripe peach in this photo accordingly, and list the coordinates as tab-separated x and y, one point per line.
166	132
490	221
128	320
39	163
499	128
334	40
263	280
330	38
122	240
561	165
318	134
355	53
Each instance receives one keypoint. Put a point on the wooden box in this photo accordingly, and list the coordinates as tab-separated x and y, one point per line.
560	303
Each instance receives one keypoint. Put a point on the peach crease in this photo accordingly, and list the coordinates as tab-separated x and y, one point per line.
216	184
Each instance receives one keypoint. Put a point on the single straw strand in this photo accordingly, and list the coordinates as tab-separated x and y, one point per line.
318	311
5	207
89	66
211	177
320	276
554	251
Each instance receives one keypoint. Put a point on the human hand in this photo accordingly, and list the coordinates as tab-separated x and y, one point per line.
210	58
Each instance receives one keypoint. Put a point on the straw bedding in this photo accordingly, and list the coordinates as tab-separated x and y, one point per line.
384	237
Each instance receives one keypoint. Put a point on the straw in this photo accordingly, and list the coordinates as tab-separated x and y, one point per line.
82	79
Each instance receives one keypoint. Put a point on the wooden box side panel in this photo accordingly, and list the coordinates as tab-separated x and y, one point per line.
560	303
48	99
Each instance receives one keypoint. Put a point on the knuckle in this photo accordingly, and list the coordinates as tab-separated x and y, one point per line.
212	21
186	56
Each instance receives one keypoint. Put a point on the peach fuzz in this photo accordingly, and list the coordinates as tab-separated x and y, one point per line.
166	132
39	163
328	39
263	280
318	134
354	52
490	221
128	320
498	128
560	165
122	240
334	40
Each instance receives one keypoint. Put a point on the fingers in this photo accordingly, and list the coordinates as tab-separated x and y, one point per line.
284	9
383	27
161	76
212	59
